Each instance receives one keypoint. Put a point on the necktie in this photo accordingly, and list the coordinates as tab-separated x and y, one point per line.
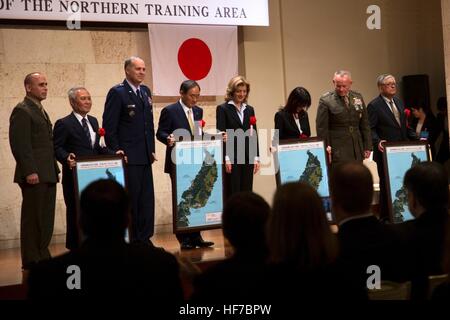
43	111
138	93
191	123
86	130
346	101
395	111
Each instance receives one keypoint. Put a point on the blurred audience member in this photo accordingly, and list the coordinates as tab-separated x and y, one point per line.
423	237
364	240
105	266
303	252
241	277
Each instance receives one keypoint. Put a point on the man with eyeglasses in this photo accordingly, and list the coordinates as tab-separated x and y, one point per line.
388	123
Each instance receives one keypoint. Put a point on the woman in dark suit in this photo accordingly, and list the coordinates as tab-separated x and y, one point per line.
292	121
424	126
237	119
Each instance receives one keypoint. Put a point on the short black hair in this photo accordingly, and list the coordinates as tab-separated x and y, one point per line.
351	185
244	220
299	97
428	182
104	209
188	85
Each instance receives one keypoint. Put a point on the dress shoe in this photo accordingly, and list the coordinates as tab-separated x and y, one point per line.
186	245
202	243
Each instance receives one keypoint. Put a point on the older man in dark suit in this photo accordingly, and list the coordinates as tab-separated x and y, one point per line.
75	135
388	124
30	137
181	119
128	122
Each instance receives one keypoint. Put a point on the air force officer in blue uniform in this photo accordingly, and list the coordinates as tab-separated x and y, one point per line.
128	122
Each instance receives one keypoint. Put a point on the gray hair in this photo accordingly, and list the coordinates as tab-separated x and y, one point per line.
381	78
342	73
129	61
72	93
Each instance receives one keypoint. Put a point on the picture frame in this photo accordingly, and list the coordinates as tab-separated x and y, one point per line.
305	160
91	168
398	157
197	184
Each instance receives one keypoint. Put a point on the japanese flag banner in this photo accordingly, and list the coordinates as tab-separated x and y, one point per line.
206	54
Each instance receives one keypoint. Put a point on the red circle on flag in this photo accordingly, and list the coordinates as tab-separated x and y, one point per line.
194	59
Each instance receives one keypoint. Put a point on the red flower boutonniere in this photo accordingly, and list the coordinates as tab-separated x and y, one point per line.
101	133
303	136
201	125
407	114
252	123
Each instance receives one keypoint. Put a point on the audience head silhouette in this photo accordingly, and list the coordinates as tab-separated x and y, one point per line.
104	210
298	233
244	219
427	186
351	185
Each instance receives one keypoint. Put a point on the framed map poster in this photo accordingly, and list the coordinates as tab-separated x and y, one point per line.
197	194
90	169
304	160
398	158
93	168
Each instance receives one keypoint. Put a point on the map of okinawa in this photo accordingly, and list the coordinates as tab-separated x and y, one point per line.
198	193
313	171
401	199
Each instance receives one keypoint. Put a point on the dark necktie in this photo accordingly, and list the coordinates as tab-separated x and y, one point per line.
395	111
86	130
138	93
346	101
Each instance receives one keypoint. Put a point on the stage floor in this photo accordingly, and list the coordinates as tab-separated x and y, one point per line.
10	262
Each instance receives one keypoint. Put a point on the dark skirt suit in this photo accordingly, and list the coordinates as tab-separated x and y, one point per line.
241	151
287	127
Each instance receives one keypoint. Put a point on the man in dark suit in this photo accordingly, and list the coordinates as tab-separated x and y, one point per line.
75	135
388	124
363	239
182	119
128	122
105	266
30	137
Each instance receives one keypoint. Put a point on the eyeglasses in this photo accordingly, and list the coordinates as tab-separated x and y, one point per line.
390	84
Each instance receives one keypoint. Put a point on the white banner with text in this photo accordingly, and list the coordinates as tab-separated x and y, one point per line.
212	12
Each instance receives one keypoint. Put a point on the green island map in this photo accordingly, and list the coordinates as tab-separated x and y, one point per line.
401	196
313	171
197	195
